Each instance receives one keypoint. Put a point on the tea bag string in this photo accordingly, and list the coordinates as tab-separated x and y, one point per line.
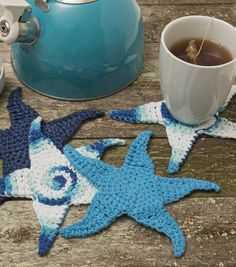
204	38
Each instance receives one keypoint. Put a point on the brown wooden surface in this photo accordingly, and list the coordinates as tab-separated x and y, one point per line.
208	220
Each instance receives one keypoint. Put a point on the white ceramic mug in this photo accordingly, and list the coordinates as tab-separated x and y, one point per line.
194	93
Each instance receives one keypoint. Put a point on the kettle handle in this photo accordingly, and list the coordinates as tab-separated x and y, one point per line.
9	25
16	22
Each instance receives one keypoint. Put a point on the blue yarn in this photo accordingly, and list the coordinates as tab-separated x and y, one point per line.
166	114
51	182
53	202
181	137
127	115
173	167
5	186
100	146
2	187
59	182
46	240
168	118
14	141
132	190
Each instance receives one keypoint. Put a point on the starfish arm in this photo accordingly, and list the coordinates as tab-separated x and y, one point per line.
93	169
85	191
222	128
16	184
174	189
138	156
161	221
2	147
61	130
98	218
18	110
181	139
97	149
147	113
230	96
50	219
35	133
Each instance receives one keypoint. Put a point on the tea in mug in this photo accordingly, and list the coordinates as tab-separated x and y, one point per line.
211	53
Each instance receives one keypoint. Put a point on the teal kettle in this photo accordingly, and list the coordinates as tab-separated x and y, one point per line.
74	49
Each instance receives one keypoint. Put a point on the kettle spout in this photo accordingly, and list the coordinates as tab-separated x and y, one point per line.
16	22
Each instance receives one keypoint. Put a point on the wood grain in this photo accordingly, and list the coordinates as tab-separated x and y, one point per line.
157	16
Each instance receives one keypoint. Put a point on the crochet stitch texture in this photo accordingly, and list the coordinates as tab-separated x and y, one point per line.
52	183
132	190
181	137
14	141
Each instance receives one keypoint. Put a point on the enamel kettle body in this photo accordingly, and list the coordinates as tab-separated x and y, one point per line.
85	50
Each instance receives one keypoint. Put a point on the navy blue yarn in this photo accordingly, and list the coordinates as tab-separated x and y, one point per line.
46	240
98	146
127	115
14	141
2	187
52	201
166	114
60	182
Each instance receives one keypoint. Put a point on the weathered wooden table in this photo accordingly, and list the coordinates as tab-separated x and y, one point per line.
208	220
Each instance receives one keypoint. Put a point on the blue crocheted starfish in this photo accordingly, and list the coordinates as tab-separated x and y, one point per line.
14	141
181	137
52	183
132	190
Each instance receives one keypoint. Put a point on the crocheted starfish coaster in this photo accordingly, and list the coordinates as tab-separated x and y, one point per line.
132	190
181	137
14	141
52	183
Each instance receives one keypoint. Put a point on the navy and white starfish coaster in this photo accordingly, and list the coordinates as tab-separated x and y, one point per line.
181	137
52	183
14	141
132	190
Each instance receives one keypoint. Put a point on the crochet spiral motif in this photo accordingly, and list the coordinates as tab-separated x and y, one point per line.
52	183
181	137
132	190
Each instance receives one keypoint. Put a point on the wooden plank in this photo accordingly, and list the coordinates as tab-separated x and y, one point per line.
210	159
208	224
156	17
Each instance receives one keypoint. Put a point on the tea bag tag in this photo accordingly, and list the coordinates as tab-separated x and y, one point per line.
192	51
